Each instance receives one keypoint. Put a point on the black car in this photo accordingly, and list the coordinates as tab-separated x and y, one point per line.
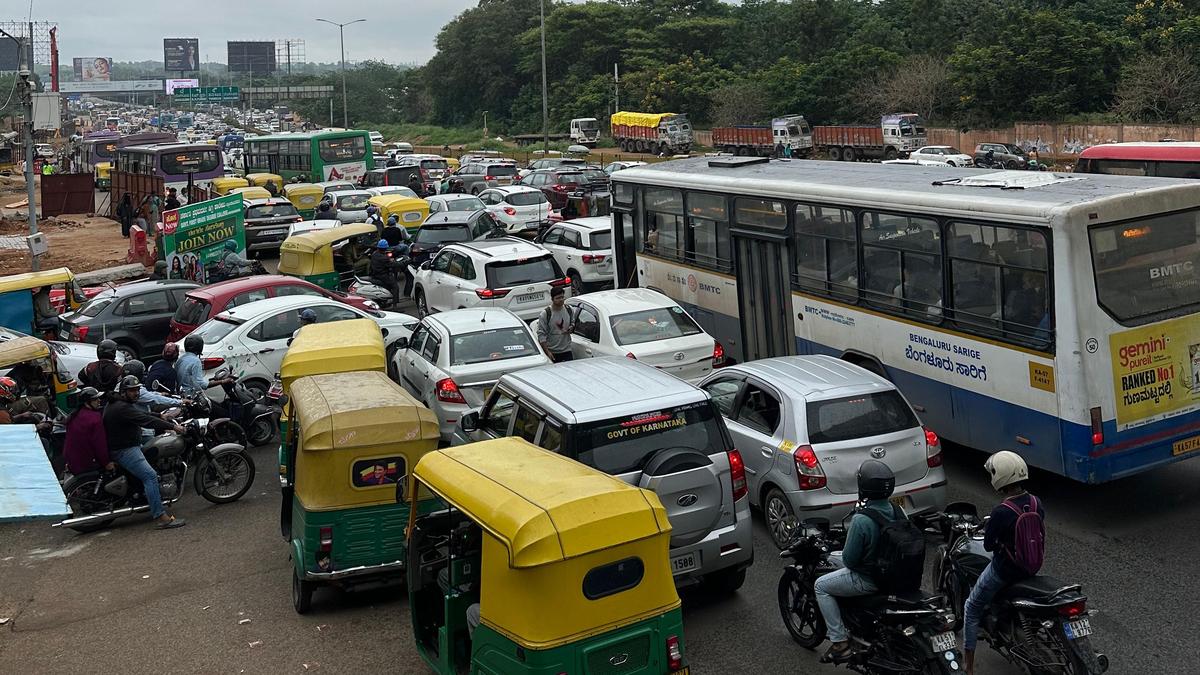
137	316
449	227
267	223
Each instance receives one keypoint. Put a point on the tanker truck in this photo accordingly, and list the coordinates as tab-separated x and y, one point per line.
655	133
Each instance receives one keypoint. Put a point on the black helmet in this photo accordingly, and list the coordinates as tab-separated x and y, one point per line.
129	382
875	480
107	349
88	394
193	344
135	368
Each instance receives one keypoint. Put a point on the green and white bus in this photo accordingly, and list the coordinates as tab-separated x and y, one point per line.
313	157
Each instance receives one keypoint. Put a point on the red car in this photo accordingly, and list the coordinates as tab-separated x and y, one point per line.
202	304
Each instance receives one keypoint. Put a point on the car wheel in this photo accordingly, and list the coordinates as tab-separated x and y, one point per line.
576	284
129	352
1010	165
781	519
951	163
422	307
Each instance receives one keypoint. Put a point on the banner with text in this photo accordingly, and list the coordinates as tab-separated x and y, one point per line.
1156	371
194	236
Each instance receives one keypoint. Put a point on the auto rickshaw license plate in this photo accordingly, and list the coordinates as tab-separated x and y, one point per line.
1186	445
686	670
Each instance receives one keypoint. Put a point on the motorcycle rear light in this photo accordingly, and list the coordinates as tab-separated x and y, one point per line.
1072	610
808	468
737	474
674	653
1097	427
589	259
326	539
933	449
210	362
718	358
447	392
491	293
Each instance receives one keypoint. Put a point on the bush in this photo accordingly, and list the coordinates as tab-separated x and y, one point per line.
426	134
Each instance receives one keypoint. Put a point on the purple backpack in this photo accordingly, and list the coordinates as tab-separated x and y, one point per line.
1029	537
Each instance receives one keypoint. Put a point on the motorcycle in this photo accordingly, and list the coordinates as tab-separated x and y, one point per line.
223	472
215	271
253	414
1041	624
909	632
985	163
368	288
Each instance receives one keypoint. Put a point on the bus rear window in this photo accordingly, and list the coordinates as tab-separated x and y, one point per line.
625	444
342	149
190	161
1146	269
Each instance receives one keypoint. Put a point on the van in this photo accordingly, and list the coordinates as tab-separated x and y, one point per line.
647	428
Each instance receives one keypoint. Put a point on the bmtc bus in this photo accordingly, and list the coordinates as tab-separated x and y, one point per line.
312	157
178	164
97	150
1165	159
1051	314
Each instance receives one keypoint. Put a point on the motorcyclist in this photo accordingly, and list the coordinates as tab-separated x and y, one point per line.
875	484
456	185
383	269
86	446
104	372
123	422
146	399
160	271
414	184
162	371
1008	474
190	373
307	318
231	261
989	157
325	210
373	218
10	391
396	235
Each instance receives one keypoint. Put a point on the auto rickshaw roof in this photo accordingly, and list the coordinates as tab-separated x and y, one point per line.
28	280
397	202
311	242
22	349
545	507
358	410
302	187
339	346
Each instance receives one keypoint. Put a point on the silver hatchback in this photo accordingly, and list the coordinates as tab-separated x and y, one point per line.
805	423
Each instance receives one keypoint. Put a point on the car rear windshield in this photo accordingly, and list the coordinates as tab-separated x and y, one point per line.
441	234
840	419
600	240
353	202
434	164
192	312
526	198
496	344
652	324
213	331
465	204
1146	269
96	305
573	178
500	169
523	271
625	444
271	211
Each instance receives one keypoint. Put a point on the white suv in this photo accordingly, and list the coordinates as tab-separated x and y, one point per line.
503	272
583	249
517	207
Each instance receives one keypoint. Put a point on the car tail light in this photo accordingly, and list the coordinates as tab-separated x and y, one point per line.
1078	608
492	293
326	539
718	359
447	392
808	468
737	474
297	219
559	188
510	211
589	259
674	654
210	362
933	448
489	178
1097	427
79	333
565	281
629	355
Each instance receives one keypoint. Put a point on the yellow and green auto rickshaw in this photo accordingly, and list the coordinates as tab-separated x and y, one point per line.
305	197
226	184
530	562
252	192
17	302
310	255
44	386
410	211
261	179
103	171
353	439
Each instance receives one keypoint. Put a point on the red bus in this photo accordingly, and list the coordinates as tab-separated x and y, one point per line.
1165	159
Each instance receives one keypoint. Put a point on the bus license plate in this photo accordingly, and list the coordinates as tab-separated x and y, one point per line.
1186	445
944	642
1078	628
685	563
530	297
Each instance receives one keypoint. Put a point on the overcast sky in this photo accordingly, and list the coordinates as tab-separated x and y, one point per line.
397	31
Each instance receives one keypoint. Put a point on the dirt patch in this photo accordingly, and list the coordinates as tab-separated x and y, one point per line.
79	242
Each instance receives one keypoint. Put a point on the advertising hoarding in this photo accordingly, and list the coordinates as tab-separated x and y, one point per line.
1156	372
257	57
172	85
108	87
93	69
194	235
181	54
10	55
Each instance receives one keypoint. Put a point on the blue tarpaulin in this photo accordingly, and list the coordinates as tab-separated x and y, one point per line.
28	488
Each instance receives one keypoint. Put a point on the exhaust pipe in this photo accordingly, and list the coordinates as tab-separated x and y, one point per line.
107	515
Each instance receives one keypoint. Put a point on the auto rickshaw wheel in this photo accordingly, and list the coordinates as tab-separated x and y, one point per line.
302	592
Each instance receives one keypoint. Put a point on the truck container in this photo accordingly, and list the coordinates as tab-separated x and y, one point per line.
896	134
656	133
791	131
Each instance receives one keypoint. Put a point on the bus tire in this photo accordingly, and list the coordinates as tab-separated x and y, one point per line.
866	362
835	153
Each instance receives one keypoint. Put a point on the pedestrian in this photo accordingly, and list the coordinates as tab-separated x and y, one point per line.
787	151
86	446
123	422
160	271
779	149
172	199
154	206
554	327
126	213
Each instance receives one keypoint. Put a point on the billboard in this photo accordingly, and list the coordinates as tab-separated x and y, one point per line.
1156	374
114	86
172	85
10	55
93	69
194	235
180	54
256	57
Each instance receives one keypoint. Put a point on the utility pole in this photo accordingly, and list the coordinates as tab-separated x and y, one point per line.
342	38
25	85
545	97
616	89
485	133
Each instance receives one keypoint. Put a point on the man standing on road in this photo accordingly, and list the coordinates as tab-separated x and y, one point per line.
123	422
554	327
172	199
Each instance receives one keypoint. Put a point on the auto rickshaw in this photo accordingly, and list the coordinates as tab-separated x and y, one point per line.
103	175
563	568
252	192
16	296
45	387
310	255
305	197
225	184
409	210
261	179
353	440
453	163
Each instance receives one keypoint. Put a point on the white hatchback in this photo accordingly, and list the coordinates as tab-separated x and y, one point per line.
943	154
583	249
518	208
646	325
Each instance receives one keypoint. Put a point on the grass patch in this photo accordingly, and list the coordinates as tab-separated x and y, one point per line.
427	134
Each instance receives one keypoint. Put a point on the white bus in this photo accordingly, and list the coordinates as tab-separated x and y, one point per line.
1052	314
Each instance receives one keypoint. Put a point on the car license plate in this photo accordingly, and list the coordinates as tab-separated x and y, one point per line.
685	563
944	642
269	233
1078	628
1186	445
901	501
530	297
64	334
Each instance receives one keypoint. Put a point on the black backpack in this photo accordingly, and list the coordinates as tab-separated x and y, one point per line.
899	559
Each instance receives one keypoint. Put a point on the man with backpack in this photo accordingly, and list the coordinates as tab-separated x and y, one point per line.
884	552
1016	536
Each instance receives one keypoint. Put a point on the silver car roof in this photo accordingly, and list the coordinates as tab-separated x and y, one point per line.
813	378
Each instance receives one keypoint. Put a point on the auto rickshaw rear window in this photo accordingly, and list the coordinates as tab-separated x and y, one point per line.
613	578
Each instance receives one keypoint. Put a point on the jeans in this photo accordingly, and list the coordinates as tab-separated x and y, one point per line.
135	463
843	583
986	588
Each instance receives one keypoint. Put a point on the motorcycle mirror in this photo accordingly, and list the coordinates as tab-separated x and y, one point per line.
401	491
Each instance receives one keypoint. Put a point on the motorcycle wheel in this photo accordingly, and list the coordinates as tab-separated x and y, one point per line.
225	478
230	432
261	432
949	586
80	492
798	607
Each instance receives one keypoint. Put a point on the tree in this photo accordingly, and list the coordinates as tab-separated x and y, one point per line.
1159	88
920	84
740	102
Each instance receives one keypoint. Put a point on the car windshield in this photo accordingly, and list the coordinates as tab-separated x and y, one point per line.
496	344
660	323
214	331
841	419
625	444
526	198
96	305
594	175
600	240
524	271
353	202
271	211
193	311
441	234
464	204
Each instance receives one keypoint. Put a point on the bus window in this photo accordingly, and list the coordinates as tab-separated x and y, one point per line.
826	256
1147	267
342	149
189	161
709	228
902	262
1000	279
761	213
1119	167
1177	169
664	232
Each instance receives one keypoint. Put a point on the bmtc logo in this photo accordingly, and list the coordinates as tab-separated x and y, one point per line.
692	283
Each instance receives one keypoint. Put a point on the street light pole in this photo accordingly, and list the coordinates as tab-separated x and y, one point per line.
545	105
342	39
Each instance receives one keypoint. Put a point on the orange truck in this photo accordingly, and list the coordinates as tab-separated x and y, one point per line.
896	135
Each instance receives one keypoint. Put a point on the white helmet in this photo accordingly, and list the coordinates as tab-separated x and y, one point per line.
1006	467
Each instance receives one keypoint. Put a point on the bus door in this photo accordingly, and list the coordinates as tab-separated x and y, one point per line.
764	294
624	251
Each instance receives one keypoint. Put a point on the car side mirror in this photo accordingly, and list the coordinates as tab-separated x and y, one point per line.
384	331
402	343
469	421
427	264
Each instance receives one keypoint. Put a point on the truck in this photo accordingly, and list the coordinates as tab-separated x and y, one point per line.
791	131
896	134
656	133
585	131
